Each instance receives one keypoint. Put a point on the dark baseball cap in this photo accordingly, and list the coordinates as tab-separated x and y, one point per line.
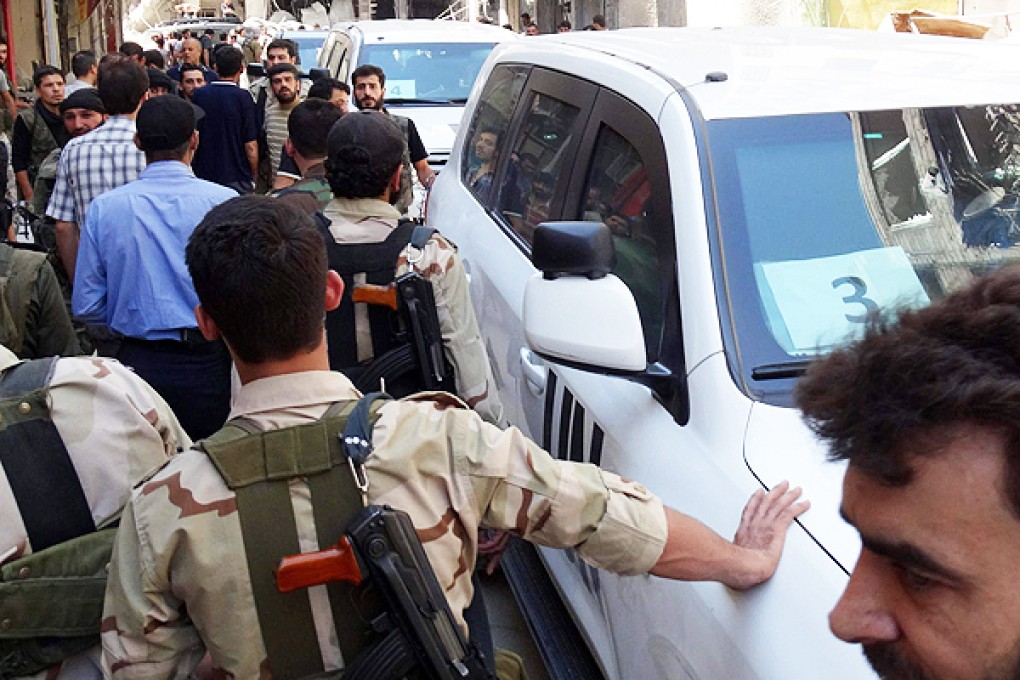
85	98
368	139
166	122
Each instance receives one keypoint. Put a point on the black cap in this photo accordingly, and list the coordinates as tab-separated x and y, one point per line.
85	98
166	122
366	140
159	79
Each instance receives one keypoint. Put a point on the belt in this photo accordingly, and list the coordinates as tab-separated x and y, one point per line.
188	337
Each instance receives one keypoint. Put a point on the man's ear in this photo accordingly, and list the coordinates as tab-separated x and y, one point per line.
394	184
210	331
193	143
288	146
334	290
138	143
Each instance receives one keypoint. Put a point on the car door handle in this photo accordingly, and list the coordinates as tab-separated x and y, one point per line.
535	374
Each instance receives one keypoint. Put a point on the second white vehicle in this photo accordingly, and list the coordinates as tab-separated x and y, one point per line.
430	68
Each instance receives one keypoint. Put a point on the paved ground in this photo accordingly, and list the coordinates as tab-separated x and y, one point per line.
509	631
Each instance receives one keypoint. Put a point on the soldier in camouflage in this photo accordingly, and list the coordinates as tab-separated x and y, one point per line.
307	129
115	429
179	586
363	166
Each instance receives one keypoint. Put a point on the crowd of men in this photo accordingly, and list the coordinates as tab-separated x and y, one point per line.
210	241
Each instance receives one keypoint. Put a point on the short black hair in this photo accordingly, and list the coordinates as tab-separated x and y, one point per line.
191	67
309	125
131	49
565	24
259	268
283	43
323	88
366	70
82	62
210	31
228	62
154	59
599	19
44	71
122	83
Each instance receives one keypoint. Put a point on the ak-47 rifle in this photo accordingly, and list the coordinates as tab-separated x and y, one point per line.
411	296
381	546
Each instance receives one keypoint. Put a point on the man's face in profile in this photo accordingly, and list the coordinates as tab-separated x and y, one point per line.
935	594
341	100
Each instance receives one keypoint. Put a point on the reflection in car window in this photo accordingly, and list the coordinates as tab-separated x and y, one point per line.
618	192
827	218
536	157
438	73
488	129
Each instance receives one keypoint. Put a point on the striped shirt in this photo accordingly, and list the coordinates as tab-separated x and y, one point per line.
276	132
92	164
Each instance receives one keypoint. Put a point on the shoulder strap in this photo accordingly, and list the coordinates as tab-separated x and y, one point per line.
421	235
259	467
377	263
36	461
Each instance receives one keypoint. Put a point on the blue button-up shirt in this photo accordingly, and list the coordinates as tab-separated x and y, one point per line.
131	274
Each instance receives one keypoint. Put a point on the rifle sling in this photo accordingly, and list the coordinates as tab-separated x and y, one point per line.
35	460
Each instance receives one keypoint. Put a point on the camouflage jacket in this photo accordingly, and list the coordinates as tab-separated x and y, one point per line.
368	220
116	429
179	565
311	193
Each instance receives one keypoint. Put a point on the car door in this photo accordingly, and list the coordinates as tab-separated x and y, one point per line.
538	117
620	179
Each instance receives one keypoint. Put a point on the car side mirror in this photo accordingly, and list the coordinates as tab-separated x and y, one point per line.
256	70
318	73
578	314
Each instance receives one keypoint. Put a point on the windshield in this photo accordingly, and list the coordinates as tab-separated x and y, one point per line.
308	49
438	73
827	218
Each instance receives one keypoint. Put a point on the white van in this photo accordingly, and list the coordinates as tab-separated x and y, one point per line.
430	67
764	190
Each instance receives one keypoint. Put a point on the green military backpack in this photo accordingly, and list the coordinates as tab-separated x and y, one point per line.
51	601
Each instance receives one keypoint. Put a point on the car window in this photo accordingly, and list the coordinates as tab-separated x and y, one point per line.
618	192
537	157
437	73
489	127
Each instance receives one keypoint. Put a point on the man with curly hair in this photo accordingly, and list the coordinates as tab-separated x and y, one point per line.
925	409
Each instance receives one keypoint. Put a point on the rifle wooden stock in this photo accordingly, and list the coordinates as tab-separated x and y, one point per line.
335	563
376	295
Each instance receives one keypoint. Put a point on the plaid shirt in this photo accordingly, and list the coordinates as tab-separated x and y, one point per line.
93	164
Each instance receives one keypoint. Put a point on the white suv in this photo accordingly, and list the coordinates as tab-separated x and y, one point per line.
763	190
430	67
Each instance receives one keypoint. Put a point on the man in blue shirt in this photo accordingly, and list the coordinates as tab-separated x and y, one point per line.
229	154
131	274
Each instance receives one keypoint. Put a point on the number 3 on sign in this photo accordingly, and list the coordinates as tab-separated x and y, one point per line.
858	296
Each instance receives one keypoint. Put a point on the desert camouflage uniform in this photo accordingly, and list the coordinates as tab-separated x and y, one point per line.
368	220
179	565
116	429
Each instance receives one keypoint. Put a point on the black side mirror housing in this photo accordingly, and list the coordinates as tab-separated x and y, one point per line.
573	249
256	70
318	73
